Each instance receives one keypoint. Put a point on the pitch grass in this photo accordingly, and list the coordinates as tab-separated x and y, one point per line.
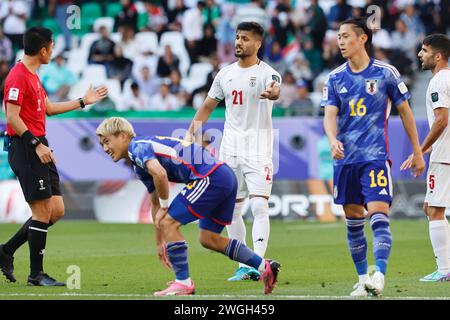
119	261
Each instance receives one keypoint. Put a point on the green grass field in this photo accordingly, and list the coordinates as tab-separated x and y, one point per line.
119	262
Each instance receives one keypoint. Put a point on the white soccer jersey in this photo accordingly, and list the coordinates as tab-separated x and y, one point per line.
438	96
248	119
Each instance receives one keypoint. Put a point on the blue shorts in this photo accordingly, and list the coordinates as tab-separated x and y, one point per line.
210	199
364	182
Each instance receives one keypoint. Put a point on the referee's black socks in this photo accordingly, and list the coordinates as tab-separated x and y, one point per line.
19	238
37	237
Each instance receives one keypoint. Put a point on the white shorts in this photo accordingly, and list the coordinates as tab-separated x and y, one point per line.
438	185
254	177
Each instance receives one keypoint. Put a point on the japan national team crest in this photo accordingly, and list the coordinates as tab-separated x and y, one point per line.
371	86
252	81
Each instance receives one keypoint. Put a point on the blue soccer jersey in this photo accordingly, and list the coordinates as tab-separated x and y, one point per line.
364	102
183	161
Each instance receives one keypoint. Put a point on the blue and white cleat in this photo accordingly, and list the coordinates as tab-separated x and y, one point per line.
436	277
245	273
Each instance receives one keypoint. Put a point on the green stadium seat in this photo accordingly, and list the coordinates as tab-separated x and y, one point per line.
91	10
113	9
51	24
142	20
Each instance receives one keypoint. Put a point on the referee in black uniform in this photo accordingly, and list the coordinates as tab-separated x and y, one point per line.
26	106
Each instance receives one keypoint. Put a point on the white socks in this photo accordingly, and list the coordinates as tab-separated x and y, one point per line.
236	230
261	224
439	236
186	282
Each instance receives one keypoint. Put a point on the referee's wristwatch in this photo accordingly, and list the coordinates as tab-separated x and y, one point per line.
30	139
82	105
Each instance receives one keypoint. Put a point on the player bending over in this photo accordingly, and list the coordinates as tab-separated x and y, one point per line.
209	195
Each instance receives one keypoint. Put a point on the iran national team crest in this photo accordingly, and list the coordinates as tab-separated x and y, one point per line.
252	81
371	86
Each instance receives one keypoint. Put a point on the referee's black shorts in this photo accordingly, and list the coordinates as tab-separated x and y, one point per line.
38	181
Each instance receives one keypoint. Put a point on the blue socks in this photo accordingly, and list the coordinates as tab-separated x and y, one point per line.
357	244
382	240
238	251
177	252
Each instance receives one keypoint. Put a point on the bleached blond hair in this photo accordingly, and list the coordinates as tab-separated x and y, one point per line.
114	126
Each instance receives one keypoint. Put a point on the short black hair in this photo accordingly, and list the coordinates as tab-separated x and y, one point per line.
134	86
255	27
439	42
361	26
35	39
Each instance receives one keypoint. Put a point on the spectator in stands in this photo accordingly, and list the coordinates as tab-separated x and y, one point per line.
226	34
404	40
120	67
281	24
102	50
317	25
175	16
192	28
313	55
289	89
157	20
381	54
331	56
57	79
381	39
58	8
127	16
167	63
146	58
412	20
148	84
164	100
302	105
208	44
300	68
4	70
14	16
211	13
128	42
274	57
135	99
251	12
177	89
6	52
340	12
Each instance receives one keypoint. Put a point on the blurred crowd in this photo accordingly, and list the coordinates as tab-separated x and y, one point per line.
176	72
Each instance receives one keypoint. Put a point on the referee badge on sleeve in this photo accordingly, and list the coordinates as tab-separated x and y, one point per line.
13	94
435	97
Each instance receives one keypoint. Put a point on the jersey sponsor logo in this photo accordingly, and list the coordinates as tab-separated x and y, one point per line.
252	81
276	78
325	93
435	97
13	94
371	86
402	87
343	90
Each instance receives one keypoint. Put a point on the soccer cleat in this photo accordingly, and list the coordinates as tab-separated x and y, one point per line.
269	276
436	277
375	284
245	273
44	280
176	289
7	265
360	290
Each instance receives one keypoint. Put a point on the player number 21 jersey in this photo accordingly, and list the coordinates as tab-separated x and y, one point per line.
248	119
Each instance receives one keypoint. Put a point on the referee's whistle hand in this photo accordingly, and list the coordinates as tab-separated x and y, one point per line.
45	154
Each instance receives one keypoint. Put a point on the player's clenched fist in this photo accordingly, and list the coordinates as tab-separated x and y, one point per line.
337	149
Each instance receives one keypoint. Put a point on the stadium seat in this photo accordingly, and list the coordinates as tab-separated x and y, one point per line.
78	89
114	91
142	20
91	11
116	37
76	61
96	73
149	38
197	76
176	41
104	21
86	42
51	24
113	9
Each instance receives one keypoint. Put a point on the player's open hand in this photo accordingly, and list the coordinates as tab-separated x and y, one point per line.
159	216
407	163
94	95
272	92
337	149
45	154
417	165
162	255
